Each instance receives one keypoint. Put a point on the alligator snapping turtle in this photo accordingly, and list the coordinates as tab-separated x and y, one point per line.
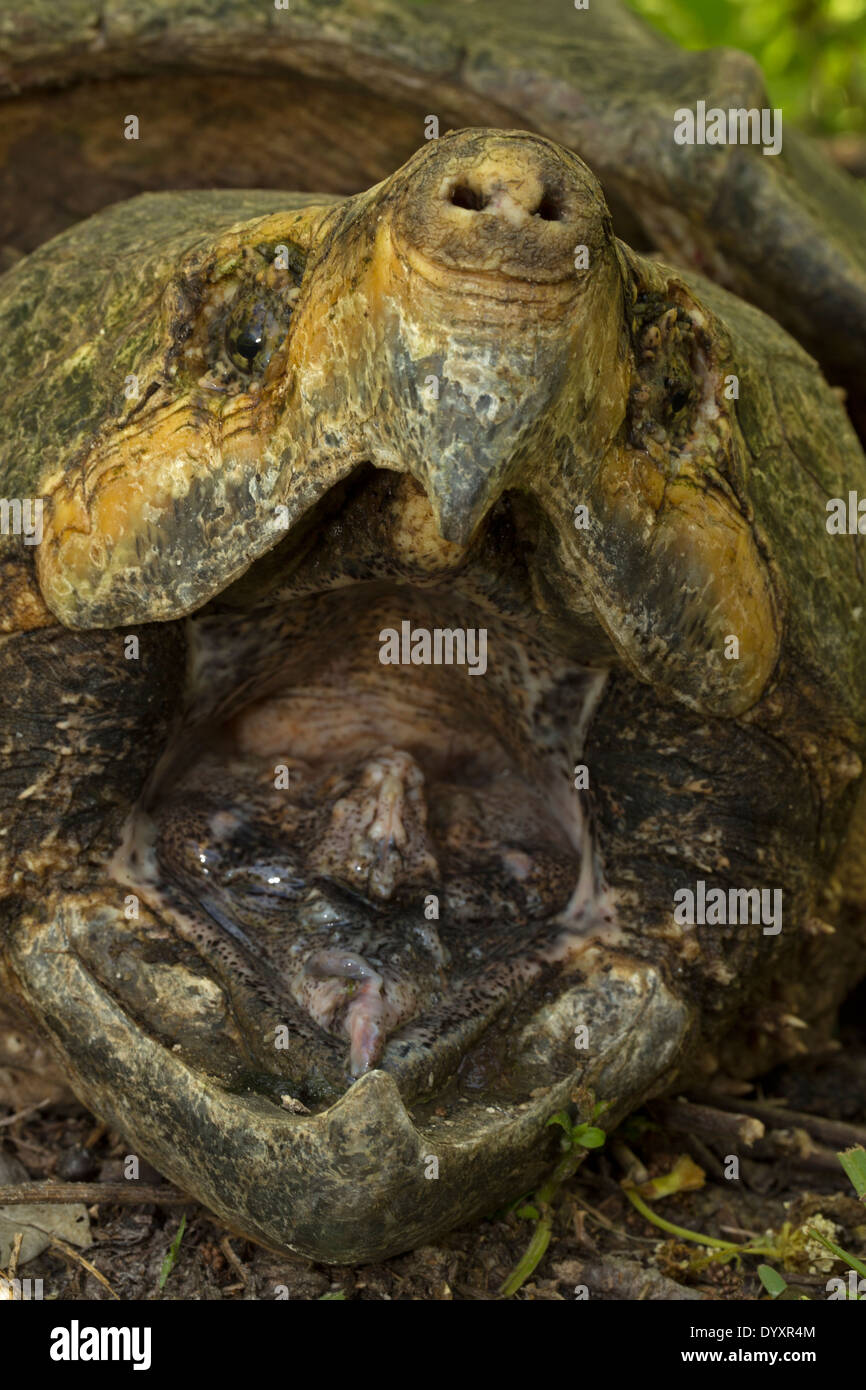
432	592
343	92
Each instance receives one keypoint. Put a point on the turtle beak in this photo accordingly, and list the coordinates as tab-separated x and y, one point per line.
458	512
484	345
498	249
487	282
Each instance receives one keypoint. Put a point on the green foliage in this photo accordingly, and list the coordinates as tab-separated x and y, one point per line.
173	1252
813	52
850	1260
575	1142
585	1136
772	1282
788	1244
854	1162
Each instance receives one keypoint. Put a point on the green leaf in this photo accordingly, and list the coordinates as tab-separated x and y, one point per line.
772	1282
529	1213
589	1137
170	1260
854	1163
333	1296
561	1118
850	1260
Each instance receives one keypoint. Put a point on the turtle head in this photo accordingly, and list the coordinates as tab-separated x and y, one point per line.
371	889
446	323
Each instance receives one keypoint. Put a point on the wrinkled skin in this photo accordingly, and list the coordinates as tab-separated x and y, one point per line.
394	417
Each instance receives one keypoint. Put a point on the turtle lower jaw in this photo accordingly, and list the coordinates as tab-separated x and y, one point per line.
368	1177
172	1035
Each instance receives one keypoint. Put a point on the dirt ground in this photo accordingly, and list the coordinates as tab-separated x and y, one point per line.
599	1240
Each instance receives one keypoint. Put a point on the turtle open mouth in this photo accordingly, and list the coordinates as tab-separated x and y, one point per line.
472	593
371	819
412	527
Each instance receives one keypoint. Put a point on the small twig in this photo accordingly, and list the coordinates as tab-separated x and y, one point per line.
798	1149
17	1242
40	1152
708	1122
775	1117
225	1247
629	1162
91	1269
703	1156
22	1114
609	1225
739	1233
128	1193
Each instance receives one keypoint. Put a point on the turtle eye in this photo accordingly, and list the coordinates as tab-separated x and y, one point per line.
253	332
249	341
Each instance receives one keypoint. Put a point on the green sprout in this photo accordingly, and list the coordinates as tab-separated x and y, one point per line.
576	1141
170	1260
790	1244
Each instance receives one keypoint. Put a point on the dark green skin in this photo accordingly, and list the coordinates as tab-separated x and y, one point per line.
784	231
58	300
784	774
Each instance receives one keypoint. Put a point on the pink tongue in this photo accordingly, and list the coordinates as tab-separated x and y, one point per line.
368	1021
370	1016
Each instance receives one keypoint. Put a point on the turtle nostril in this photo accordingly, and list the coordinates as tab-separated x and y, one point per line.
549	209
464	197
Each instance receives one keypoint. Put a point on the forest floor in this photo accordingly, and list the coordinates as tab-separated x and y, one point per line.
600	1242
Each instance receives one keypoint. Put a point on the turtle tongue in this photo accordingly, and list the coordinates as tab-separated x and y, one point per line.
376	843
369	1015
363	897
